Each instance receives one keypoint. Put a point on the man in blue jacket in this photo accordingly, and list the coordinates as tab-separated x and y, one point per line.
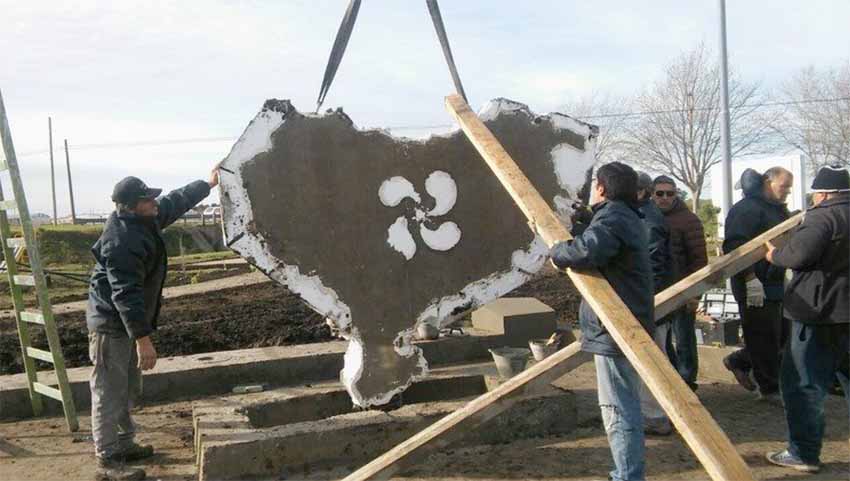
817	300
655	420
758	289
123	307
615	242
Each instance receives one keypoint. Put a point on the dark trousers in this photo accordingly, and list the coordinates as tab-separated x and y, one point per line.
683	355
765	332
810	364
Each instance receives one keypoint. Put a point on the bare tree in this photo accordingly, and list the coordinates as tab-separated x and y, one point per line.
680	134
817	117
605	111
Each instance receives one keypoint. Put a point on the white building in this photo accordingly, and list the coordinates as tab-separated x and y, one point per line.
795	163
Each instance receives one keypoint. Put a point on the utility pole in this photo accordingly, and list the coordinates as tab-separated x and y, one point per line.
52	175
70	184
726	163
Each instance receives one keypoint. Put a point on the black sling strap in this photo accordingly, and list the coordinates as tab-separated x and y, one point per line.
344	33
342	36
434	9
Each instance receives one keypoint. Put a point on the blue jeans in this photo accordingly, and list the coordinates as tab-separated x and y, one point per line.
619	400
684	355
810	364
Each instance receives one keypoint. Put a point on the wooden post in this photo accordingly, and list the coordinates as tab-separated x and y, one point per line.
70	184
721	268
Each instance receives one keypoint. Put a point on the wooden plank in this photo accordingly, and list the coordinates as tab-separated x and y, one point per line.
32	317
721	268
700	431
8	205
479	410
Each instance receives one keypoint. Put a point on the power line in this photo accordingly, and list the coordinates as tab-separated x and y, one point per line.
155	142
704	109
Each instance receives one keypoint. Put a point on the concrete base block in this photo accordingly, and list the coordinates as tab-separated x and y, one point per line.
354	438
200	375
519	319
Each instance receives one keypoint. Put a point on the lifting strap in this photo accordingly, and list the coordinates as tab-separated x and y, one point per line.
434	9
342	36
344	33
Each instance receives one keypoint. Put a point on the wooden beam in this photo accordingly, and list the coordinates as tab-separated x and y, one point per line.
708	442
721	268
479	410
699	430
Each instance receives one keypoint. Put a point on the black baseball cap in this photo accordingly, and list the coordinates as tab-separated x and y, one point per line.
131	189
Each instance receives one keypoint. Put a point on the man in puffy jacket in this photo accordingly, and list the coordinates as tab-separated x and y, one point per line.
615	243
758	289
123	307
687	251
817	300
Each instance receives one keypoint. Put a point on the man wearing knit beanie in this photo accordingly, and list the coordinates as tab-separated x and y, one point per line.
817	300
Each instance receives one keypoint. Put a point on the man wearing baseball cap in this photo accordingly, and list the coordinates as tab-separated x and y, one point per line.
123	306
817	300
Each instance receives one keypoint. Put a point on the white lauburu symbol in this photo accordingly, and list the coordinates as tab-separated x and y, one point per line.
443	189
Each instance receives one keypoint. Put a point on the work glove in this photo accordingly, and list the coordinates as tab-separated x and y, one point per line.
755	293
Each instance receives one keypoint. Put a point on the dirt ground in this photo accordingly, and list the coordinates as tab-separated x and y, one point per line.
238	318
262	315
36	450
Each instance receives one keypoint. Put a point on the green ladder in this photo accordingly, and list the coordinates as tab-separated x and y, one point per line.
43	314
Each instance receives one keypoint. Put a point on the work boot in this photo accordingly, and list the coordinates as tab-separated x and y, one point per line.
743	377
135	452
111	469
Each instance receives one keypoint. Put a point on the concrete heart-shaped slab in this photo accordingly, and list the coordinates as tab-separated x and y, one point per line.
380	234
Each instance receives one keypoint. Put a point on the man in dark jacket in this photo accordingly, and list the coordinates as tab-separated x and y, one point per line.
758	289
817	300
687	250
655	421
615	243
123	306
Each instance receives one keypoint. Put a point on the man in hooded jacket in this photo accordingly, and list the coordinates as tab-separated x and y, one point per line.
758	290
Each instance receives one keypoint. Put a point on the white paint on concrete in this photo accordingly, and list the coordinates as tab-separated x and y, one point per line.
396	189
399	238
352	367
443	189
570	166
524	264
238	220
444	238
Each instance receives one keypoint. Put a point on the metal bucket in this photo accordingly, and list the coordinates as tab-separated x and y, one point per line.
510	361
540	350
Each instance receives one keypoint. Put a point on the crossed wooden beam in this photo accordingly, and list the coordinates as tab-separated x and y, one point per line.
705	438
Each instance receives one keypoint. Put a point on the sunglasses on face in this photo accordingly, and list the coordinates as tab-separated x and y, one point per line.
665	193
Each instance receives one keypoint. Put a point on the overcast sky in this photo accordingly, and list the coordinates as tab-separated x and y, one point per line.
124	73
